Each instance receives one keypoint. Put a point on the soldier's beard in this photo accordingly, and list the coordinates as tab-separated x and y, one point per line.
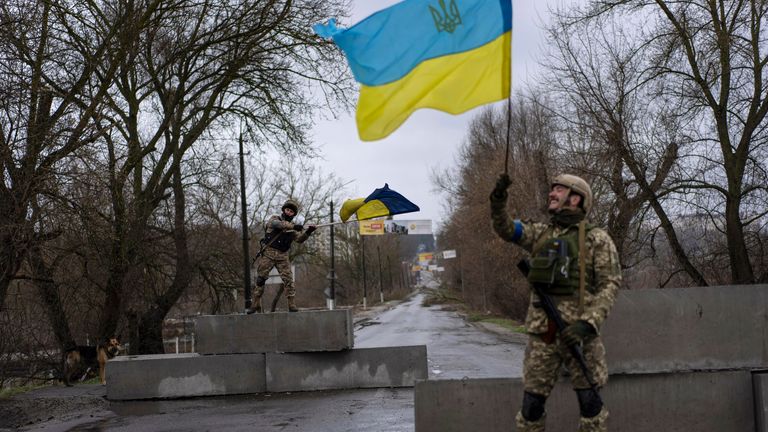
286	217
567	216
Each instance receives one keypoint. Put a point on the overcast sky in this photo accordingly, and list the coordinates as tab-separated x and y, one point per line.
429	139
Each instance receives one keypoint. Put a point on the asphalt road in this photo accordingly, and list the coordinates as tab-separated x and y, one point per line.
455	349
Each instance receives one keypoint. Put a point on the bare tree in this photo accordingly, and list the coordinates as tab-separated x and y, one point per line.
105	111
491	281
713	54
199	68
617	124
51	55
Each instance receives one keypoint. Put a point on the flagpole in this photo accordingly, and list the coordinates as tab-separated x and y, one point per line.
340	222
331	223
509	102
509	122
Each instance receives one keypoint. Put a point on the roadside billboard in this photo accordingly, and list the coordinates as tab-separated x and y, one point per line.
425	257
389	226
410	227
371	227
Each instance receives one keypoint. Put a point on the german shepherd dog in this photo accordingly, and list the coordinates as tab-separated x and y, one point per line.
87	357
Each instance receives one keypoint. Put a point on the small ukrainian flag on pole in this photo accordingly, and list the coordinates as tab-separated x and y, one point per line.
449	55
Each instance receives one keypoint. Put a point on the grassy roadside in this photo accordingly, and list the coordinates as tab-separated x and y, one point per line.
9	392
507	323
442	297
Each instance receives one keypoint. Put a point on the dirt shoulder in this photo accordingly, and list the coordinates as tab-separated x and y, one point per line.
58	404
503	332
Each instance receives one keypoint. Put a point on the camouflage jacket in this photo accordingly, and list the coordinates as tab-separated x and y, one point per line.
602	262
275	224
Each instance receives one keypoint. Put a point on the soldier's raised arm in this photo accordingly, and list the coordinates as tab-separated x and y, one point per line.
522	233
502	223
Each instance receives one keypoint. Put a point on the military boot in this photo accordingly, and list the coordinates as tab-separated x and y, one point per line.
598	423
524	425
255	306
292	305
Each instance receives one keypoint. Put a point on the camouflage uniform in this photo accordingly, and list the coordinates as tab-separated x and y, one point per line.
276	255
542	359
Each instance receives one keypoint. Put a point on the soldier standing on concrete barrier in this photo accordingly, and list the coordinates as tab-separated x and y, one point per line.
279	234
577	265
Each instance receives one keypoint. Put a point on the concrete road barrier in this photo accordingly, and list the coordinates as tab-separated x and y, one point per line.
303	331
760	384
677	402
356	368
184	375
682	329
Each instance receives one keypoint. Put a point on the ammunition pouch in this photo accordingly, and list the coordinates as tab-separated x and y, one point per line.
554	268
554	265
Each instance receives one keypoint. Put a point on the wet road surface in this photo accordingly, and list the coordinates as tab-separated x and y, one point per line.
455	349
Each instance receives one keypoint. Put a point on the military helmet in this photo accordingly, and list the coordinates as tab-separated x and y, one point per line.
578	185
291	204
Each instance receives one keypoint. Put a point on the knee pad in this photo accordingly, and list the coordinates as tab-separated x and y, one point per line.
533	406
261	281
590	403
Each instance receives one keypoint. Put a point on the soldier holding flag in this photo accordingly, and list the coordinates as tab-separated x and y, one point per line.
576	265
280	233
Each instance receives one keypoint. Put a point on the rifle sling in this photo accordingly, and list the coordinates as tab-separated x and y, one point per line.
582	264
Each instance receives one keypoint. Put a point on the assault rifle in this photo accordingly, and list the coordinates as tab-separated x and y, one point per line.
554	315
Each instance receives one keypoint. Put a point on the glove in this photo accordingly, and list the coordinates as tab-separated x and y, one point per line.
500	191
578	332
298	227
311	229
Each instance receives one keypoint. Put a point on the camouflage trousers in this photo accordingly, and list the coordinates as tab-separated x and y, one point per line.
273	258
541	369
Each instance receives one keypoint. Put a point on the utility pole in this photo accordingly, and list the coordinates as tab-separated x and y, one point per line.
244	224
365	276
332	300
381	282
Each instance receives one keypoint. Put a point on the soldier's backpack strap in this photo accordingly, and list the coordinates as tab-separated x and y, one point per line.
540	242
582	264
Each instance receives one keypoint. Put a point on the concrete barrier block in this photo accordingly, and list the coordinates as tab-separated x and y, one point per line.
303	331
356	368
682	329
674	402
760	387
184	375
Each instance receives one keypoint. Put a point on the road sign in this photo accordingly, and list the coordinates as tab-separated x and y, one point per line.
274	276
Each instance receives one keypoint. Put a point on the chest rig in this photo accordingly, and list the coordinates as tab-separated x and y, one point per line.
555	266
275	240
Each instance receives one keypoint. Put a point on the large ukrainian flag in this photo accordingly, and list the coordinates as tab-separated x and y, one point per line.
450	55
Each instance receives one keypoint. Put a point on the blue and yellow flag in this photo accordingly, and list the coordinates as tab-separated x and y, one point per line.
382	202
450	55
